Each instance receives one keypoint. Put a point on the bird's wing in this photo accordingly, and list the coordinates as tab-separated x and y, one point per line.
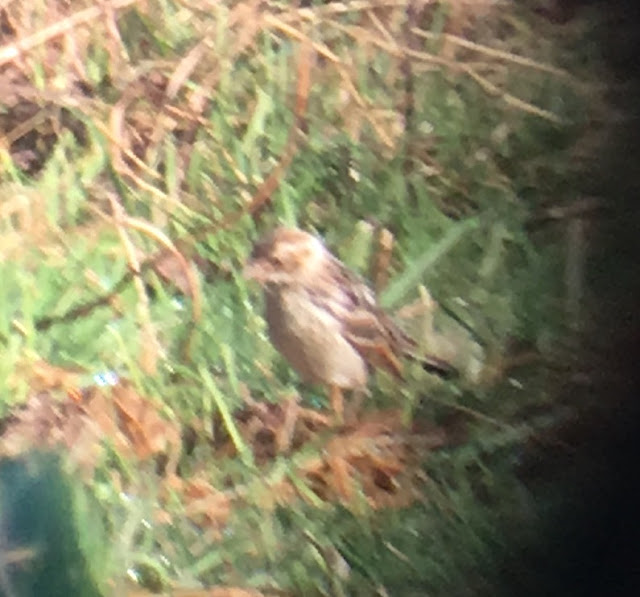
366	326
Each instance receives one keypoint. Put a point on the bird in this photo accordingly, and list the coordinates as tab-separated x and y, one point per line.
323	318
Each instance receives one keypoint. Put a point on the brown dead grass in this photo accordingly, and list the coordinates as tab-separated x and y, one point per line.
378	458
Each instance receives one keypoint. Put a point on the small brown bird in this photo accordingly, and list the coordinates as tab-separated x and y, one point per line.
323	318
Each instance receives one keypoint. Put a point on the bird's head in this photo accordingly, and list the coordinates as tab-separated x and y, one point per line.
286	257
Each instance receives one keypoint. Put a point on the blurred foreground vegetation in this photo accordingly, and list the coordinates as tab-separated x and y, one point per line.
440	146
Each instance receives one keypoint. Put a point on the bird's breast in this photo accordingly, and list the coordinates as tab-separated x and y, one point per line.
311	339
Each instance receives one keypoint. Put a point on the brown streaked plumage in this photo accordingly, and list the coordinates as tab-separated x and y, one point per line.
322	317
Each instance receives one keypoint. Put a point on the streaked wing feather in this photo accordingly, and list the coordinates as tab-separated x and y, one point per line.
365	325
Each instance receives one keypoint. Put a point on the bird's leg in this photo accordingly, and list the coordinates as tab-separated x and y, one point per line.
337	403
355	405
284	435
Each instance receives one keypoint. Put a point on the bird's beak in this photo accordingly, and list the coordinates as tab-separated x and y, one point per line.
254	270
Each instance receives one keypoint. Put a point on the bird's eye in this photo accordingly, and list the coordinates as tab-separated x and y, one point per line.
276	261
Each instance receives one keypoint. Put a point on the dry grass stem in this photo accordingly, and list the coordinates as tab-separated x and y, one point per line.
12	51
494	53
151	349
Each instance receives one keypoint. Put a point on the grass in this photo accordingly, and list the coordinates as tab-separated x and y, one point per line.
192	127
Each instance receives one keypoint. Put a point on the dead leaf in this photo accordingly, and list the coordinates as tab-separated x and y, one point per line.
84	419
